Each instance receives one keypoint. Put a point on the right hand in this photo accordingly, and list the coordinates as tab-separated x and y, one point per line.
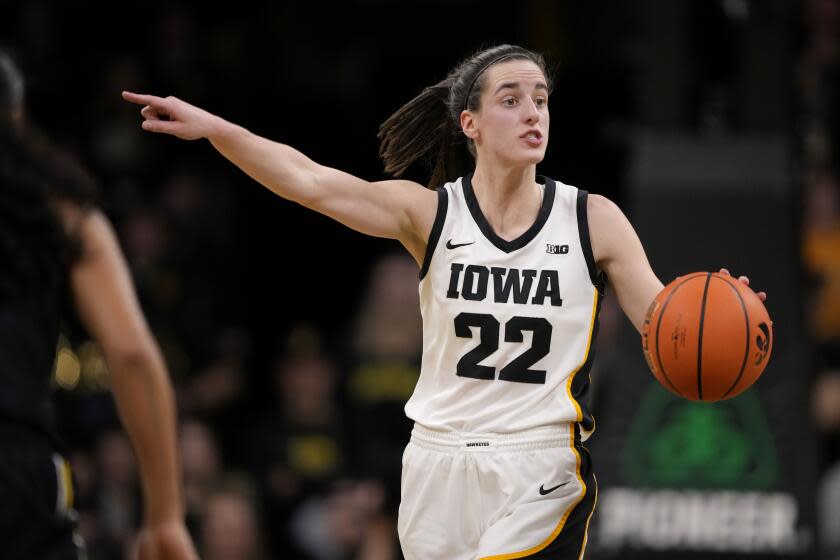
165	541
170	115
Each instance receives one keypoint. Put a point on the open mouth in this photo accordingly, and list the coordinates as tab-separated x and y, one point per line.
532	137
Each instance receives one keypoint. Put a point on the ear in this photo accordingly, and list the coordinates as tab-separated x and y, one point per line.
469	124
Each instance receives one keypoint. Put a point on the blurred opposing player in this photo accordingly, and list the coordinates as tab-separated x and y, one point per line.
55	245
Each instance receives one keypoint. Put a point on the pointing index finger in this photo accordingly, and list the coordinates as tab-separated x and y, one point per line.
140	99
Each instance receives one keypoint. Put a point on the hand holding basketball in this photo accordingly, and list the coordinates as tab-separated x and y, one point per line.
707	336
746	281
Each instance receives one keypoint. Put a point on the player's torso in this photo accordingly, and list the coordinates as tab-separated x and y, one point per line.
507	325
29	329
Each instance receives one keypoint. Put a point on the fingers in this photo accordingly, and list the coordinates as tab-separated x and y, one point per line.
164	127
154	110
150	113
742	278
141	99
746	281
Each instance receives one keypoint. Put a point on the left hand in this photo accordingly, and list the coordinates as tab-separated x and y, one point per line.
746	281
164	541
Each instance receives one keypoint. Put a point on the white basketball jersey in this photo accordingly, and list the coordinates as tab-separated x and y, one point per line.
508	326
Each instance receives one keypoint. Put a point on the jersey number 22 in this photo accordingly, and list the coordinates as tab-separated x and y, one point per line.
517	370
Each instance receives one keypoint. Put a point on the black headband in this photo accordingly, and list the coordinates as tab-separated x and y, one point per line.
485	67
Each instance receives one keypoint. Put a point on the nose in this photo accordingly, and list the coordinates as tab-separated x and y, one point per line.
531	112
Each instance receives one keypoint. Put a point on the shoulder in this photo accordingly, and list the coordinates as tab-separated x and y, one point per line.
419	202
603	214
608	226
73	215
94	230
599	206
407	190
420	208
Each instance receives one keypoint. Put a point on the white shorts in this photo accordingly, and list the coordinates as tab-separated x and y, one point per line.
495	496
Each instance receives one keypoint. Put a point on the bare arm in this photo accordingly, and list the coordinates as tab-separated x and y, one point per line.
619	253
108	308
398	209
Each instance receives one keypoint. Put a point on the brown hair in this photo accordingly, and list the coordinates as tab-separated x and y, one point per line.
428	126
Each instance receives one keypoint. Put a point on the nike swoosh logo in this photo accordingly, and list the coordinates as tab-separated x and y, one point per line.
450	245
544	491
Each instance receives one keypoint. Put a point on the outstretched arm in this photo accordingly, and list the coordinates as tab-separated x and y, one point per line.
108	308
619	253
398	209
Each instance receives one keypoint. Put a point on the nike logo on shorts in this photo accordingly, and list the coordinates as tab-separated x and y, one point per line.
544	491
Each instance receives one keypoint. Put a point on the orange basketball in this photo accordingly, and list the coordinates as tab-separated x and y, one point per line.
707	336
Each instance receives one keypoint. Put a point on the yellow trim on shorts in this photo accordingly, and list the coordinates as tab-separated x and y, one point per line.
588	519
559	526
562	523
67	481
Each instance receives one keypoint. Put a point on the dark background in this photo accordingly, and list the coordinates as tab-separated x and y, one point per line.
228	272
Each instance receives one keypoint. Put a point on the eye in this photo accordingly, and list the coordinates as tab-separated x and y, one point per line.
541	102
509	101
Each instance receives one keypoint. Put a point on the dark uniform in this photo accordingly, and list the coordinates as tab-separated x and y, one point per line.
36	516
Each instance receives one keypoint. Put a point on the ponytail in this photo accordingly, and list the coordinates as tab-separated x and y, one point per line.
422	128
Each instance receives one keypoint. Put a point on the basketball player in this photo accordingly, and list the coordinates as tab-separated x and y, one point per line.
55	245
512	272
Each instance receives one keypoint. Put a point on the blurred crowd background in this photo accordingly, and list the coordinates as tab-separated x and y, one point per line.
293	342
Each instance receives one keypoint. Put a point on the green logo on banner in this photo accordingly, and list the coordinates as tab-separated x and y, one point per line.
676	443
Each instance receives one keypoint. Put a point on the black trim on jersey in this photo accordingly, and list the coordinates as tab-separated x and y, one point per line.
437	228
598	278
581	380
487	229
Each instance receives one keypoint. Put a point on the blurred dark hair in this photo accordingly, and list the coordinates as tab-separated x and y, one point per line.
429	125
36	177
11	91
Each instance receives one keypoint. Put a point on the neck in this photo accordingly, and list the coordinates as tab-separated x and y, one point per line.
501	185
509	198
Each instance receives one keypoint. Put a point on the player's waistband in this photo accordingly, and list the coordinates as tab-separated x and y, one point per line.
450	441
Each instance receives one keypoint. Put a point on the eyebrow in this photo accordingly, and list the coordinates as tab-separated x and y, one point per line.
515	85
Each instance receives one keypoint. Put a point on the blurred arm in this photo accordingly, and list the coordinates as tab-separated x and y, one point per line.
619	253
108	308
397	209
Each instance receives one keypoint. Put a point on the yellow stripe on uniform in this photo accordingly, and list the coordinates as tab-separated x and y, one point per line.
585	357
588	519
67	481
563	519
562	523
64	484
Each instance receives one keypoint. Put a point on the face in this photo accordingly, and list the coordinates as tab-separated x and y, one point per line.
511	125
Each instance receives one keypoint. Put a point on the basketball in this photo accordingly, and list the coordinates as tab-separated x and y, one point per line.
707	337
